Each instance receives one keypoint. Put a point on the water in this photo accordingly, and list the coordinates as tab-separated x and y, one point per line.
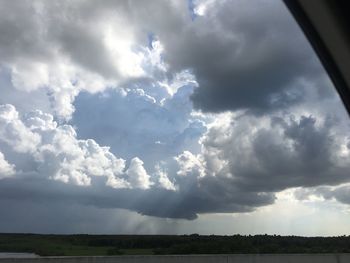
17	255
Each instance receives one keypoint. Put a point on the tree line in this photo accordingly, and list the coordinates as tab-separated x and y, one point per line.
51	245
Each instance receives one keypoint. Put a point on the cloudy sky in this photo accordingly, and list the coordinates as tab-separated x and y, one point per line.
167	117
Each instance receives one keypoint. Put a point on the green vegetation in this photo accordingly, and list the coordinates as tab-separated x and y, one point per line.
98	245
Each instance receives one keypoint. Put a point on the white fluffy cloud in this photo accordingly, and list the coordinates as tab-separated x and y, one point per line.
164	180
138	176
64	52
6	169
189	164
60	155
14	132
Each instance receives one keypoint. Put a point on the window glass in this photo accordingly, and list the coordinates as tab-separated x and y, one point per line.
167	117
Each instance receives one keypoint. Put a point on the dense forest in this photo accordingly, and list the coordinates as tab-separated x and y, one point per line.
76	245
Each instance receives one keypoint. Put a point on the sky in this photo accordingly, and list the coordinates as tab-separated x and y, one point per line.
167	117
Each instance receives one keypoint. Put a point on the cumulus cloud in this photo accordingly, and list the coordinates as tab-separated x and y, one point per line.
134	123
138	176
65	53
242	57
6	169
59	155
189	163
14	132
164	180
239	168
275	153
120	48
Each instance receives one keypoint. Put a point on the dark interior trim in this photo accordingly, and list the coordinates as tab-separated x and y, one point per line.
338	11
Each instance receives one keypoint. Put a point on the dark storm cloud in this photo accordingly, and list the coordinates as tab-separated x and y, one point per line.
280	154
155	202
244	57
28	216
51	165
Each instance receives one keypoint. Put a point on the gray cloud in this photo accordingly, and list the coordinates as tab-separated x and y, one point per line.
66	169
72	218
243	57
339	193
239	168
72	47
155	202
277	153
